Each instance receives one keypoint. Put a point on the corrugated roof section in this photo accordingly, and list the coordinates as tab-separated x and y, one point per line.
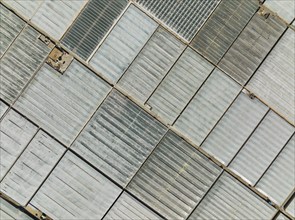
16	132
119	138
174	178
291	207
74	190
25	8
91	26
55	16
10	27
126	207
234	128
229	199
279	179
207	106
253	44
62	104
223	26
31	168
151	65
183	17
285	8
263	146
9	212
274	80
123	43
3	108
179	86
20	62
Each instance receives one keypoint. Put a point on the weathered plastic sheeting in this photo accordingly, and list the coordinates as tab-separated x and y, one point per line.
9	212
20	62
91	26
3	108
291	207
274	81
282	217
10	27
119	138
183	17
31	168
262	147
229	199
234	128
223	27
123	43
74	190
126	207
55	16
284	8
16	132
174	178
179	86
207	106
279	179
253	44
151	65
25	8
62	104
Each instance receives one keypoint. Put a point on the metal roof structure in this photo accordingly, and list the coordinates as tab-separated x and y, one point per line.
136	109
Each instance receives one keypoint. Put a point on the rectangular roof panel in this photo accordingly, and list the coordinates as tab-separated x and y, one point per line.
123	43
223	27
151	65
174	178
119	137
228	198
16	132
92	25
62	104
208	105
234	128
262	147
179	86
74	190
31	168
20	62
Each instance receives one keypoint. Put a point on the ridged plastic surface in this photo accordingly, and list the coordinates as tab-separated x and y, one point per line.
10	212
274	81
127	207
234	128
3	108
10	27
174	178
253	44
223	27
123	44
55	17
20	62
229	199
179	86
16	132
91	26
62	104
24	8
151	65
74	190
291	207
31	168
262	147
207	106
119	137
279	179
183	17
